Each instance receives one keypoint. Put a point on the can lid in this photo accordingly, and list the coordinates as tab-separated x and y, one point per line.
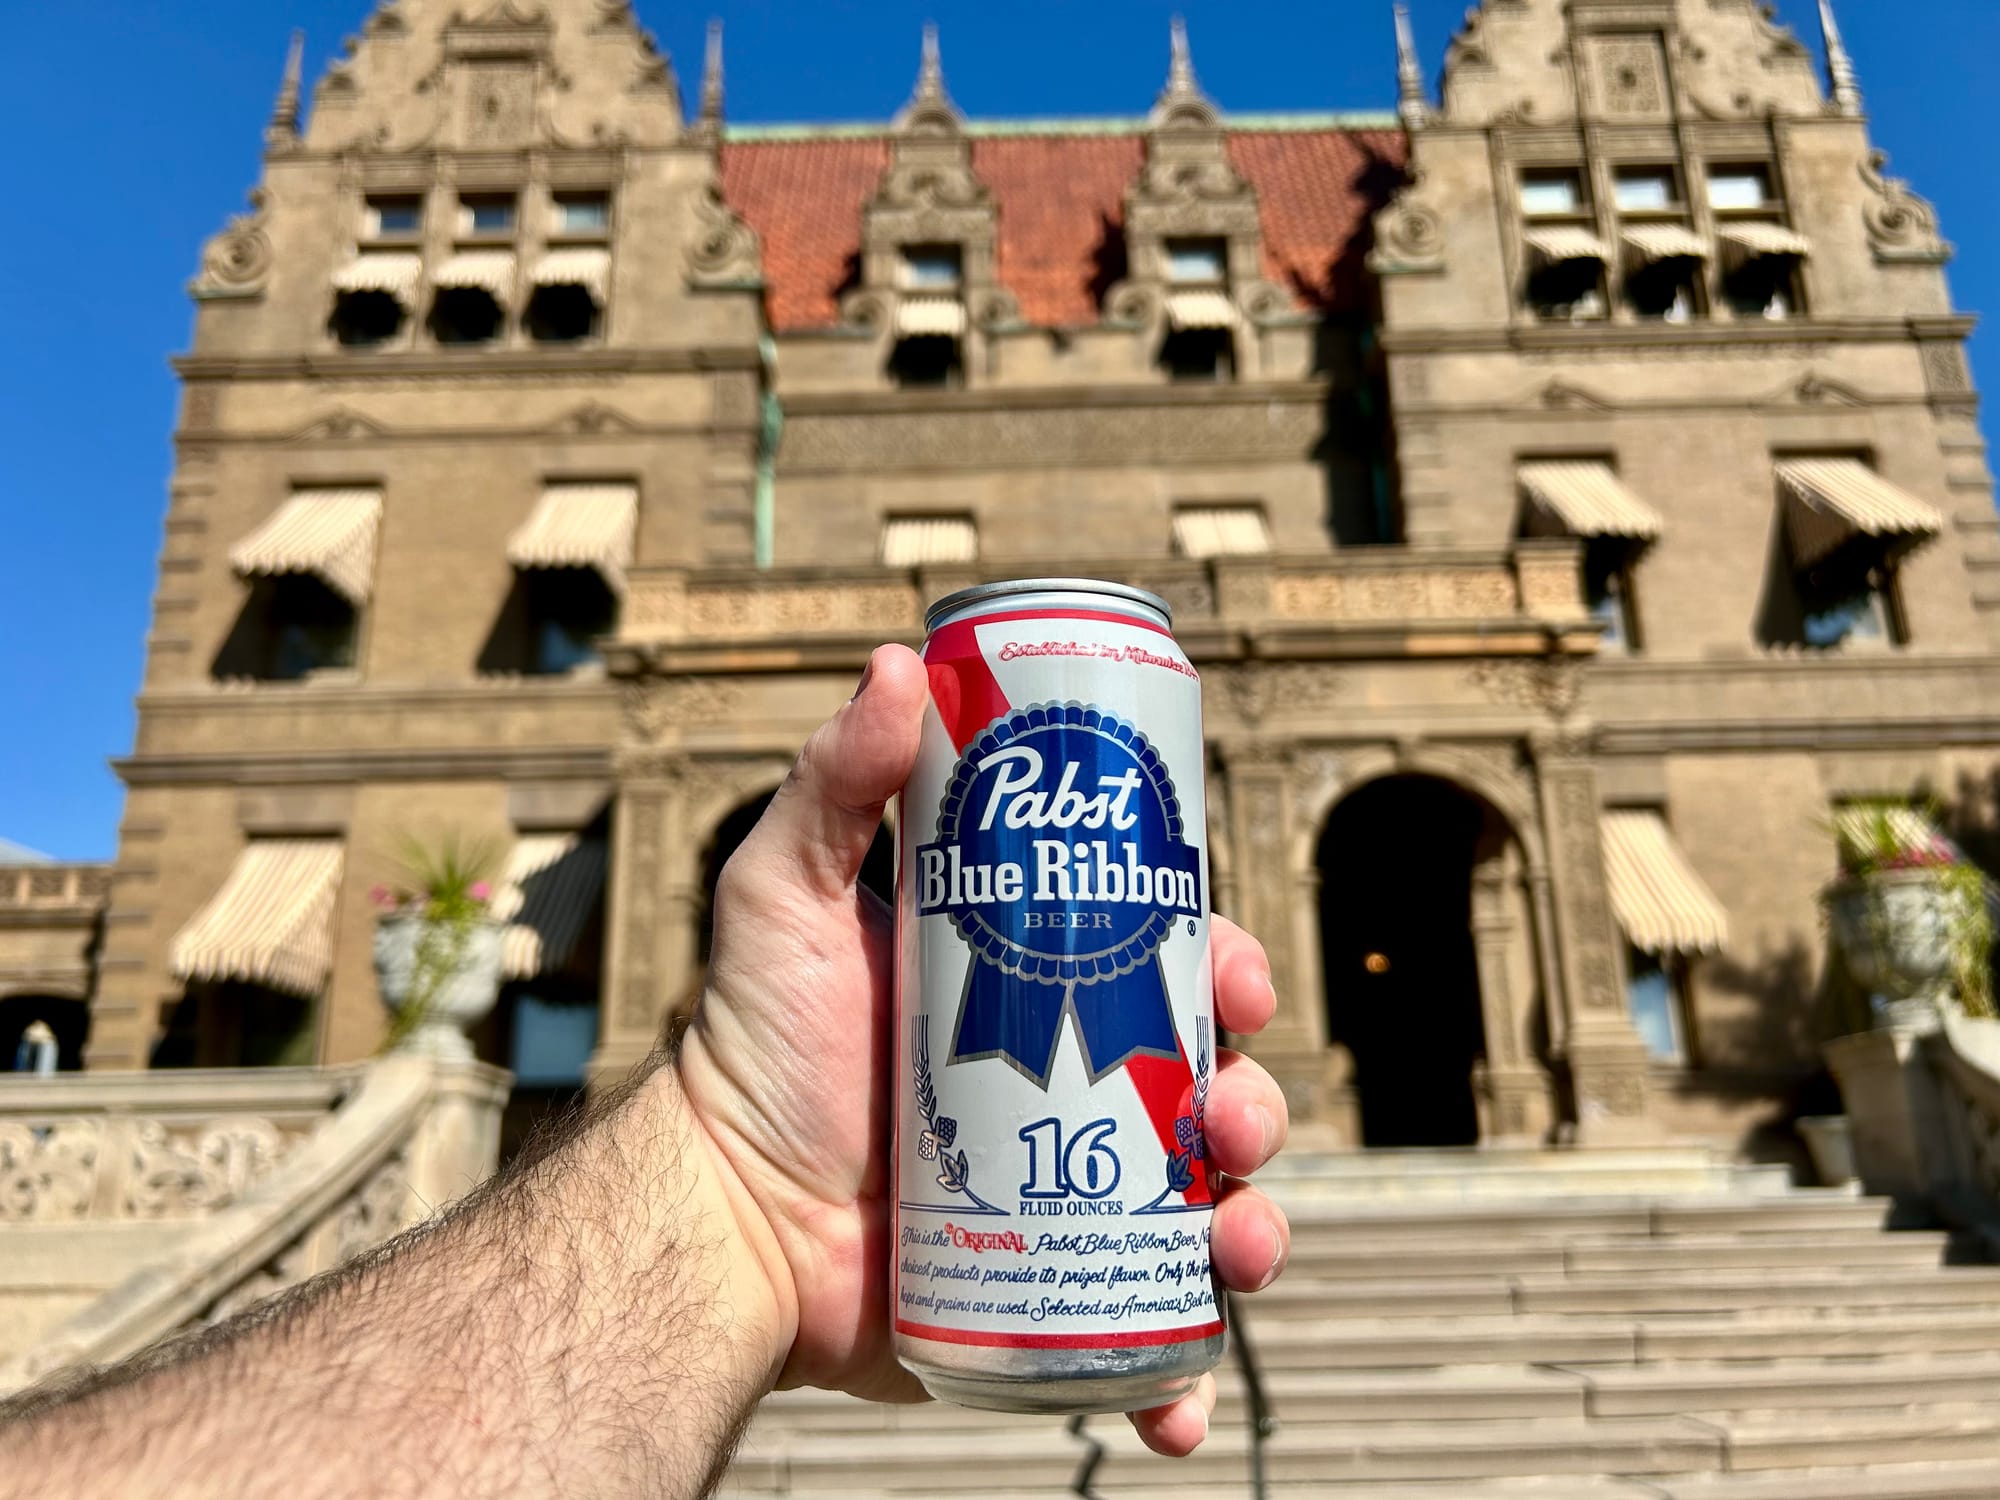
980	592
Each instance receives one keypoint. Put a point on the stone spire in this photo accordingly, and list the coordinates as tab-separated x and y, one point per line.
1182	99
283	131
1839	65
1410	101
930	104
708	123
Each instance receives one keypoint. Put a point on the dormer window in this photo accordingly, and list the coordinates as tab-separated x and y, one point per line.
487	216
933	268
1197	262
1647	190
586	214
399	218
1736	189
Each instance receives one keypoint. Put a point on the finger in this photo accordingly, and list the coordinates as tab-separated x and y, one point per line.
1177	1428
1246	1116
1245	1000
1250	1239
823	819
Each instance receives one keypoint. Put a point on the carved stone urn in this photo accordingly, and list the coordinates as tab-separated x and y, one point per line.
463	994
1894	930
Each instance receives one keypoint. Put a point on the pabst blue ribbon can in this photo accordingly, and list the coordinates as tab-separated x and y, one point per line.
1055	1011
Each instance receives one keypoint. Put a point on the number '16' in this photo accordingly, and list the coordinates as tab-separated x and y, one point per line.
1087	1168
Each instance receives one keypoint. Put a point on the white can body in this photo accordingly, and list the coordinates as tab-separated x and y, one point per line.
1055	1028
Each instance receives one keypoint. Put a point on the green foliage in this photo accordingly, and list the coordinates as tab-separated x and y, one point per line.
1970	937
449	897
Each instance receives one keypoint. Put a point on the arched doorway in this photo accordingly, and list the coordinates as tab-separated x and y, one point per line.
1402	969
878	870
64	1020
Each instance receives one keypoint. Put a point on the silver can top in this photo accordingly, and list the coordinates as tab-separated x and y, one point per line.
1121	597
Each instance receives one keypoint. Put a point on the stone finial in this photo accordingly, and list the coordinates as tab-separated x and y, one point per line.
1411	104
1182	98
283	131
930	103
708	123
1840	69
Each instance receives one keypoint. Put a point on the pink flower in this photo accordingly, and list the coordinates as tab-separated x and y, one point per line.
481	891
380	896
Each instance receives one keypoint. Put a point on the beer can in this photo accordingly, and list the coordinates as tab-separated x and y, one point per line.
1054	1008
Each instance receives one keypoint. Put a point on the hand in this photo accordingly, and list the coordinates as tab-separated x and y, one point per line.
787	1065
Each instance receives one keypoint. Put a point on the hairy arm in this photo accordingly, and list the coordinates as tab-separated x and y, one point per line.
600	1321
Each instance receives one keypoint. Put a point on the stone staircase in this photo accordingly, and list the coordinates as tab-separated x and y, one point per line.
1544	1325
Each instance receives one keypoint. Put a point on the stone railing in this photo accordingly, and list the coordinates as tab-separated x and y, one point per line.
134	1205
43	887
1533	584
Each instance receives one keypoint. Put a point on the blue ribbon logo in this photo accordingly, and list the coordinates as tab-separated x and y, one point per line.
1061	858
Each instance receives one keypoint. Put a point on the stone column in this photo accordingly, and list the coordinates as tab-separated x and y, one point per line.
649	946
1608	1062
1515	1093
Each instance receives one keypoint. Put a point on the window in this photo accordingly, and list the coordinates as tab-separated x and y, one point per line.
1666	291
1849	610
492	214
561	314
1656	996
926	362
1639	190
1763	286
1202	262
552	1042
365	319
1609	564
466	315
307	628
569	610
1553	194
582	213
933	268
394	218
1733	188
1197	355
912	541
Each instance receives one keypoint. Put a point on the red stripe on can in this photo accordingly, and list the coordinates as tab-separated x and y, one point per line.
1127	1340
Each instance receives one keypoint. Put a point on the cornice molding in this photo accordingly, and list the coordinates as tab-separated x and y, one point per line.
704	359
1055	398
1641	337
265	768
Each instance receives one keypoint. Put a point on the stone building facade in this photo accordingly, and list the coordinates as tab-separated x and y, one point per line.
1570	489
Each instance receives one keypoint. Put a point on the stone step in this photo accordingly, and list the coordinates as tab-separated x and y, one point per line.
1677	1291
1473	1256
1389	1343
1858	1436
1815	1211
1797	1385
1428	1177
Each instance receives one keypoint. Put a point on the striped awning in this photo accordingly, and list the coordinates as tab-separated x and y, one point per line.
1829	500
908	541
548	892
588	267
327	533
1747	241
1662	904
1652	243
1557	243
1586	499
1221	530
396	272
930	317
489	271
580	526
272	921
1201	309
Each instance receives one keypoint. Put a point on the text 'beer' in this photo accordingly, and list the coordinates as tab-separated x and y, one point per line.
1055	1016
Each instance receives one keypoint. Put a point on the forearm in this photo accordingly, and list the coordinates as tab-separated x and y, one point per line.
599	1323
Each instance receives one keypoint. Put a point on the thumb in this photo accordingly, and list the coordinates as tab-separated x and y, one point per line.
820	824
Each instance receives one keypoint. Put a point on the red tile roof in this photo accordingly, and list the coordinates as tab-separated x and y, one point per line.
1061	205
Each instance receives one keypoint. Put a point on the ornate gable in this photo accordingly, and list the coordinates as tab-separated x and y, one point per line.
497	75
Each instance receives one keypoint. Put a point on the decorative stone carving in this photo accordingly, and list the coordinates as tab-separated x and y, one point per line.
1629	75
48	1171
653	705
639	997
1553	684
174	1175
737	611
237	262
1256	691
724	251
1901	225
1463	593
1945	372
1409	233
1580	853
376	1211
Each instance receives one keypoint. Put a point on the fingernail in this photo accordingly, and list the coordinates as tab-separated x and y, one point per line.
1268	1123
862	686
1272	990
1204	1423
1277	1255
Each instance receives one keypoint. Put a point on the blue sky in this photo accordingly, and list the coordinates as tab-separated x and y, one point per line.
144	127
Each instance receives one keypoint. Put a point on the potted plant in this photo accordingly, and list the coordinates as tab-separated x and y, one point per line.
438	950
1910	917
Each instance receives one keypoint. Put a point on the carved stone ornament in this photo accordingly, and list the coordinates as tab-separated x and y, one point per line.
1256	691
724	251
176	1175
1901	225
237	262
48	1171
653	705
1552	684
375	1211
1409	234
